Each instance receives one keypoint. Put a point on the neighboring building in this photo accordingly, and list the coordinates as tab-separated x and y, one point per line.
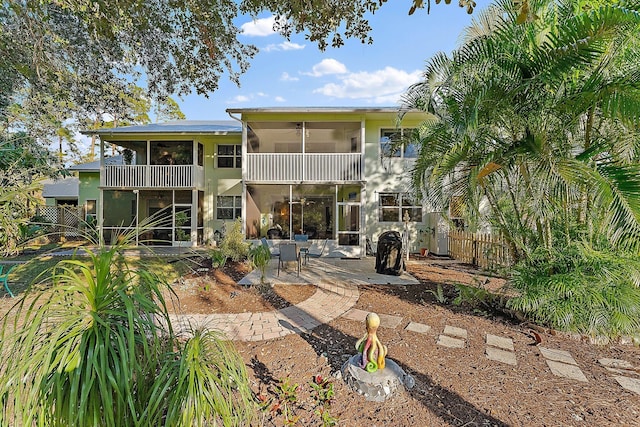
62	191
324	172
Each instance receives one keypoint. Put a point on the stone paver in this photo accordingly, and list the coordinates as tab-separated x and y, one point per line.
557	355
454	331
329	301
618	366
562	364
502	356
631	384
386	320
420	328
503	343
447	341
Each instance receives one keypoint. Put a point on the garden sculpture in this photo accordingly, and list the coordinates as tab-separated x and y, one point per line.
370	347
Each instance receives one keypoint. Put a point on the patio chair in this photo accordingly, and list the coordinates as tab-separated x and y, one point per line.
315	253
274	251
288	252
4	278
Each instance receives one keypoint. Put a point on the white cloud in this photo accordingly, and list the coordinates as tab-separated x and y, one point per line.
259	27
285	77
239	99
280	99
380	87
327	66
287	45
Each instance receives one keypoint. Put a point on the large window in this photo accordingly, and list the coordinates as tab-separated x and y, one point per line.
395	143
229	207
229	156
393	206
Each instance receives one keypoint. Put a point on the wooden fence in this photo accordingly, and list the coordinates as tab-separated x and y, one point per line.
61	220
486	251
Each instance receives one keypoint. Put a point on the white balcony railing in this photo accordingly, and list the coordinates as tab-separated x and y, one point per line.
152	176
304	167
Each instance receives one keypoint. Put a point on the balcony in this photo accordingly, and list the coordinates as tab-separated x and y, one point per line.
152	176
298	167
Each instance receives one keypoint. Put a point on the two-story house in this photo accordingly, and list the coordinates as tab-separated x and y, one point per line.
324	172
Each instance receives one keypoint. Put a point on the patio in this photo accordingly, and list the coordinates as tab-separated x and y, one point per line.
327	271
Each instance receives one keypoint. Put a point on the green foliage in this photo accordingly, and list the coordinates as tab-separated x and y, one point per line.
438	294
580	289
233	245
97	349
260	257
323	395
283	401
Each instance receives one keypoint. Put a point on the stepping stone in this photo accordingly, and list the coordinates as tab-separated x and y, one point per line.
557	355
447	341
500	342
356	314
420	328
618	366
452	331
562	364
500	349
502	356
386	320
631	384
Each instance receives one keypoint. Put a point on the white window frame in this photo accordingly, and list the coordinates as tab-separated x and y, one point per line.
236	208
399	207
236	156
387	139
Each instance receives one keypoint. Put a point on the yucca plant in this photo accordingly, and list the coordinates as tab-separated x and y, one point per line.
260	257
92	351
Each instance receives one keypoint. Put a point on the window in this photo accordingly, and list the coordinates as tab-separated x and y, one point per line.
389	140
91	212
393	207
229	207
230	156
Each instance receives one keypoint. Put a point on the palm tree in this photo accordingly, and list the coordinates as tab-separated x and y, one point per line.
538	119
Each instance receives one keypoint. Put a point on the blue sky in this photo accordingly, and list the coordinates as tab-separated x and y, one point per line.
296	73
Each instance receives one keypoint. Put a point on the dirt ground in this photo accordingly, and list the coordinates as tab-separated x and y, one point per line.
454	387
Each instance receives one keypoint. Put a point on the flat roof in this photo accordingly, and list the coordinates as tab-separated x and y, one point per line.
174	127
315	110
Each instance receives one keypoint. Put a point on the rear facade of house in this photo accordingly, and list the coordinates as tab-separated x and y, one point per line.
328	173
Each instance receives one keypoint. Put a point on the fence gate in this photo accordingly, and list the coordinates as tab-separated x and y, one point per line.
482	250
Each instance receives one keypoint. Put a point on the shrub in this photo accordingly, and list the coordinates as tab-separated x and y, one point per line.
97	349
579	289
233	245
260	257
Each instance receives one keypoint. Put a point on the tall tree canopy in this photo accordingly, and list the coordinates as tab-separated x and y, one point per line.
540	119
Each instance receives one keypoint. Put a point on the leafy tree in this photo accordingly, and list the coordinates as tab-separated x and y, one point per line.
23	163
538	119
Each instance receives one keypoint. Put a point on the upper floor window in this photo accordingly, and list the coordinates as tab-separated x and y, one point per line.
393	206
395	143
229	207
229	156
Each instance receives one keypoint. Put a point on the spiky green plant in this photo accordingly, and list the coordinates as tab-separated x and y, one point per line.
581	290
260	257
92	351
